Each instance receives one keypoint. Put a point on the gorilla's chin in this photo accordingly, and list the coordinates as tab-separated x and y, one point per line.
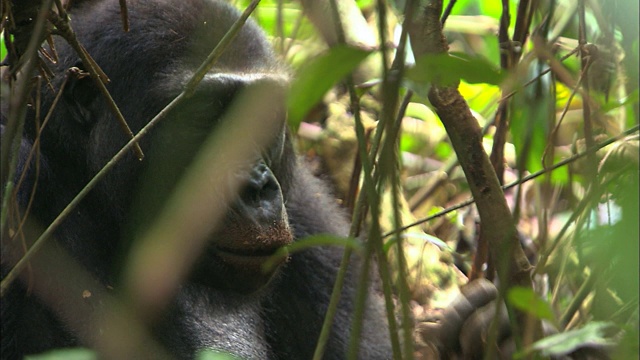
243	274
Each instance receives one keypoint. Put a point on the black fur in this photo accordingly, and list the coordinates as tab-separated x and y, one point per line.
148	66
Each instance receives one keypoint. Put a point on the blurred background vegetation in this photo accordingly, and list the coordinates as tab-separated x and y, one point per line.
557	94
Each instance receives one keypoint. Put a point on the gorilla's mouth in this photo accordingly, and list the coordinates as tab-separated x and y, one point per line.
247	252
251	262
237	256
251	243
252	254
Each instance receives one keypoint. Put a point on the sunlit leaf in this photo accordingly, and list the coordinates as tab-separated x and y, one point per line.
3	47
419	111
316	78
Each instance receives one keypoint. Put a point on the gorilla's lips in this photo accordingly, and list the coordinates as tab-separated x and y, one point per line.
237	255
249	252
253	241
251	247
249	263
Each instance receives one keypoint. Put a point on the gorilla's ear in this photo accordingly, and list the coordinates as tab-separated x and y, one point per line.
80	93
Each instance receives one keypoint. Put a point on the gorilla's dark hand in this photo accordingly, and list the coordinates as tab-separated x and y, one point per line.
461	331
462	327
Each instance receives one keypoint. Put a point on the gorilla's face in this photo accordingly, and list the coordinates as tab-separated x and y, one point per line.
251	188
225	136
254	225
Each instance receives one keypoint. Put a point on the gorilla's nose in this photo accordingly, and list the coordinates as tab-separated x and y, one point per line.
261	200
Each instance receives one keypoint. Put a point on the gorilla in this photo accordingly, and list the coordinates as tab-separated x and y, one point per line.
226	302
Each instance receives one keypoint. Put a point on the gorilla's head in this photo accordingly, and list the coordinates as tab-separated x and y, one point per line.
148	67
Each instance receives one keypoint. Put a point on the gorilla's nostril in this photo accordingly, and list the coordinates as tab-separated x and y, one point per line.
262	188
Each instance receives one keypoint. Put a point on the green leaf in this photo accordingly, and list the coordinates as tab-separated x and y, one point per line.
448	69
567	342
317	77
267	15
209	354
65	354
363	4
527	300
3	46
420	111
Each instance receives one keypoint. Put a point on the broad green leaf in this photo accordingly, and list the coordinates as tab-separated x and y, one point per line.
528	301
363	4
316	78
208	354
3	48
465	7
448	69
567	342
482	98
